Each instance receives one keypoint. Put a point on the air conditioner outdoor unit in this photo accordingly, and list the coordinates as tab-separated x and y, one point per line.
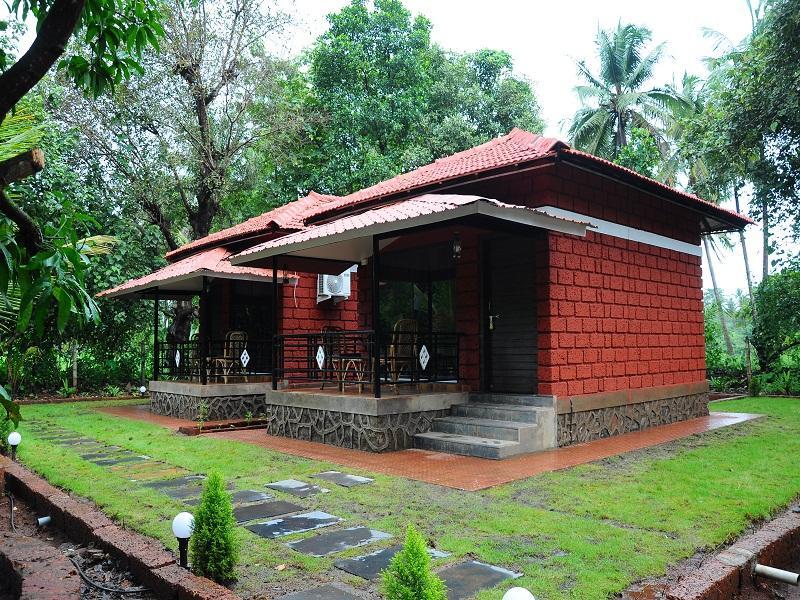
333	287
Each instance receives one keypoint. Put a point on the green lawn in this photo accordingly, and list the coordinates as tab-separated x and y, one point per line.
586	532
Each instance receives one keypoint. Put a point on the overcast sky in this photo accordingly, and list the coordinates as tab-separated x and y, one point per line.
545	38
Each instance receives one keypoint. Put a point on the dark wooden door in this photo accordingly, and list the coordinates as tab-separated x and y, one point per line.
510	351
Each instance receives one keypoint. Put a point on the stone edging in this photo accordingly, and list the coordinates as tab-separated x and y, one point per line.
36	570
144	557
723	575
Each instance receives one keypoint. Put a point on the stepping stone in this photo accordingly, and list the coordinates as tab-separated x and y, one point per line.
183	492
343	479
99	455
296	524
108	462
369	566
464	580
338	541
245	496
176	482
76	441
158	474
325	592
297	488
265	510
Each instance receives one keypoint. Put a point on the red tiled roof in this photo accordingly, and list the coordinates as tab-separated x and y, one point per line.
516	147
209	262
403	210
288	217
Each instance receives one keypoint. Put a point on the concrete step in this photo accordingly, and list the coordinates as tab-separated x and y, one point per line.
466	444
501	412
512	431
519	399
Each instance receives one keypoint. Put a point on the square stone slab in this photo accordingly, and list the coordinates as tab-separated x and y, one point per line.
295	524
301	489
119	460
183	492
338	541
369	566
100	455
464	580
325	592
176	482
264	510
245	496
343	479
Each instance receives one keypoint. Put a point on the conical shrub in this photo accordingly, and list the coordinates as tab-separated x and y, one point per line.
409	575
213	545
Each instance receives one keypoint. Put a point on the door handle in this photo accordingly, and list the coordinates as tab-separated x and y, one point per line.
491	321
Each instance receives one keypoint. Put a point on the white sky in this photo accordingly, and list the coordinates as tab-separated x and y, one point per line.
545	38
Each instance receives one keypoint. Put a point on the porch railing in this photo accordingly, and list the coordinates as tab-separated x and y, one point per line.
346	358
223	360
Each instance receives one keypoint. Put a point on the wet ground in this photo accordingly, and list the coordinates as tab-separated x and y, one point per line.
96	564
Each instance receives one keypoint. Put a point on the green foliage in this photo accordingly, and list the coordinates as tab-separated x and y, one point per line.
214	549
409	575
380	98
640	153
777	328
66	390
112	36
6	427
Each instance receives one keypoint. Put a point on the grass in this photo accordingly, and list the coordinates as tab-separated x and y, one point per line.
586	532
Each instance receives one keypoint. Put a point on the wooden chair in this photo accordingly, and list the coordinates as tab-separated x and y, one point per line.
403	349
229	364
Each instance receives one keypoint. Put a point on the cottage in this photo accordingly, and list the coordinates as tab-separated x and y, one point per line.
513	297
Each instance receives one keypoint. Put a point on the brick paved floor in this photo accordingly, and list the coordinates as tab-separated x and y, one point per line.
460	472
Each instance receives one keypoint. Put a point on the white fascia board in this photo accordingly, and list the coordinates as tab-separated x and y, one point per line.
522	215
628	233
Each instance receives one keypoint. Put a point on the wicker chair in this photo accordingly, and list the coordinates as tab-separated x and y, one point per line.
402	353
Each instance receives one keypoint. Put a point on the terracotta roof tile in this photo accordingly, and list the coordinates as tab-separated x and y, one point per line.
208	262
288	217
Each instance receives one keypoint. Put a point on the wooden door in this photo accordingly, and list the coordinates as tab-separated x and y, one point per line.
510	350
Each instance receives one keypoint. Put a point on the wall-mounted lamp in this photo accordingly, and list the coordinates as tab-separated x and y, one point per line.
182	527
456	246
14	439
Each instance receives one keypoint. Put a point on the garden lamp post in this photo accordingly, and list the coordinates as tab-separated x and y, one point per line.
142	390
182	526
14	438
518	593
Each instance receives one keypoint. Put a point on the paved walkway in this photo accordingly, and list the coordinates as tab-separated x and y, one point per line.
460	472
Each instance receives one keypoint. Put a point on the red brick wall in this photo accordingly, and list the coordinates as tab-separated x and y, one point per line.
619	315
300	312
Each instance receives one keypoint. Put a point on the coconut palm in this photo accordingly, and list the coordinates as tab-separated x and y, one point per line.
615	100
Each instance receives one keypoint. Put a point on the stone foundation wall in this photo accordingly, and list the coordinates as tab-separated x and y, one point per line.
217	408
371	433
587	425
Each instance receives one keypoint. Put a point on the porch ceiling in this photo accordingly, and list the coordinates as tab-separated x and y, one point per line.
348	240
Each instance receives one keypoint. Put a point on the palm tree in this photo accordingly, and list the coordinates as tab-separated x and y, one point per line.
613	101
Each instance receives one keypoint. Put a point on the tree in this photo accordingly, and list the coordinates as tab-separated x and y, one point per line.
777	329
381	99
214	547
640	153
614	100
409	575
115	35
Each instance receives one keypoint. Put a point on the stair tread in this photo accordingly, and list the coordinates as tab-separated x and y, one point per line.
470	440
516	407
487	422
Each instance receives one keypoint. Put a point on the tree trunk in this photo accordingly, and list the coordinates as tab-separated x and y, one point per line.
717	298
74	353
181	325
743	242
765	239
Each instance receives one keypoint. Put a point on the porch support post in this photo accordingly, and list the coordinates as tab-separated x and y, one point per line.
156	302
203	333
274	322
376	318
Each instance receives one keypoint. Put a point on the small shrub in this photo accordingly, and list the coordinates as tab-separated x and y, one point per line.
112	390
6	427
214	550
409	575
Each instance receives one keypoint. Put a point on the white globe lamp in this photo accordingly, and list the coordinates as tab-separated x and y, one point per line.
142	390
14	439
182	527
518	593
